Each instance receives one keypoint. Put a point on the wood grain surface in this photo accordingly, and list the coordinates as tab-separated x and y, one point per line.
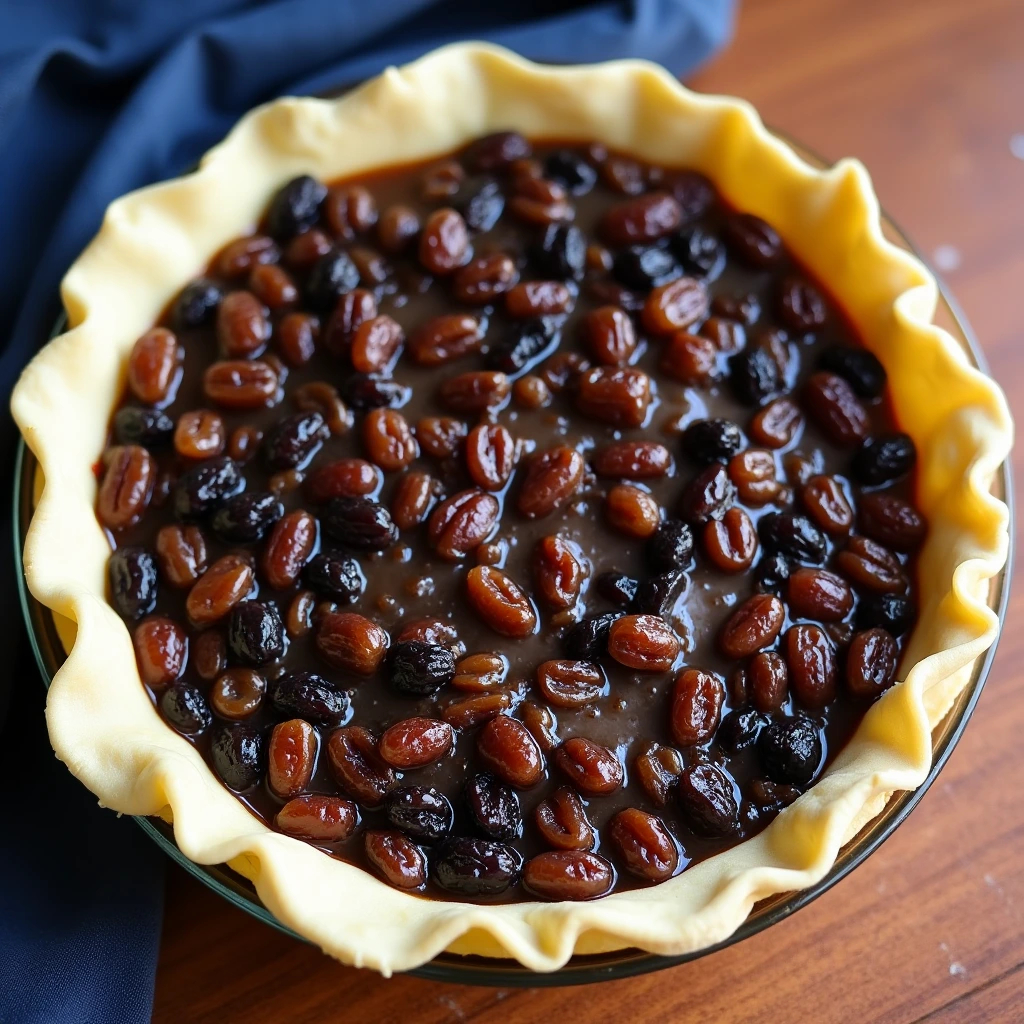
930	95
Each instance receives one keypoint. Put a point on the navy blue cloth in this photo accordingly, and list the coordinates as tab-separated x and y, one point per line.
98	97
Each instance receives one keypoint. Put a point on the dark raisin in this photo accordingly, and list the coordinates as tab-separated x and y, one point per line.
708	799
332	276
740	729
197	304
494	807
861	370
418	668
791	751
616	588
525	345
247	517
336	576
587	640
365	391
694	193
712	440
360	524
645	267
295	208
185	707
701	254
207	486
892	612
792	535
657	595
255	633
309	696
882	459
421	812
670	546
571	171
480	202
133	579
149	428
560	253
771	572
293	441
754	375
476	867
239	757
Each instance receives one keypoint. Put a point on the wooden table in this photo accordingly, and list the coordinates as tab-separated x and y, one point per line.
930	95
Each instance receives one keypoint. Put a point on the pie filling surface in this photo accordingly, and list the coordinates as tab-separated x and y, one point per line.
524	524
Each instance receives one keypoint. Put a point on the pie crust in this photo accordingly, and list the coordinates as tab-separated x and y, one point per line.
101	721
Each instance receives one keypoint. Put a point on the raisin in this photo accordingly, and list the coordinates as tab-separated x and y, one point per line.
870	566
127	487
700	253
570	684
617	588
418	668
658	768
801	306
291	758
552	478
359	524
633	460
196	304
331	276
494	807
295	207
880	460
343	478
243	328
712	440
860	368
587	640
317	818
708	800
357	767
154	367
238	693
133	582
247	517
871	663
161	648
571	171
506	747
791	751
755	377
290	544
645	267
203	488
557	573
632	511
562	821
731	542
827	504
476	867
241	384
560	252
227	582
835	408
421	812
255	633
185	707
777	424
657	595
792	535
696	706
753	473
670	546
818	594
351	642
708	495
643	642
311	697
891	521
754	625
811	660
293	441
199	434
740	729
768	681
568	875
416	742
753	241
238	755
643	219
475	392
464	521
149	428
592	769
644	844
675	306
445	338
689	358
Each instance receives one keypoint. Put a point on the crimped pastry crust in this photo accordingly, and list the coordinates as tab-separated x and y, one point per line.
101	721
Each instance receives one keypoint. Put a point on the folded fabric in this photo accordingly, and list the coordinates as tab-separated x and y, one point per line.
97	98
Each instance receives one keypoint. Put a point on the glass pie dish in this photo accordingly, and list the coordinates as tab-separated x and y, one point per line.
586	968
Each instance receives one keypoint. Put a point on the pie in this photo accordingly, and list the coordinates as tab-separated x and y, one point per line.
508	509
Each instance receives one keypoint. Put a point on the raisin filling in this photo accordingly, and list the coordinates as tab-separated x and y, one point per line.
527	524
